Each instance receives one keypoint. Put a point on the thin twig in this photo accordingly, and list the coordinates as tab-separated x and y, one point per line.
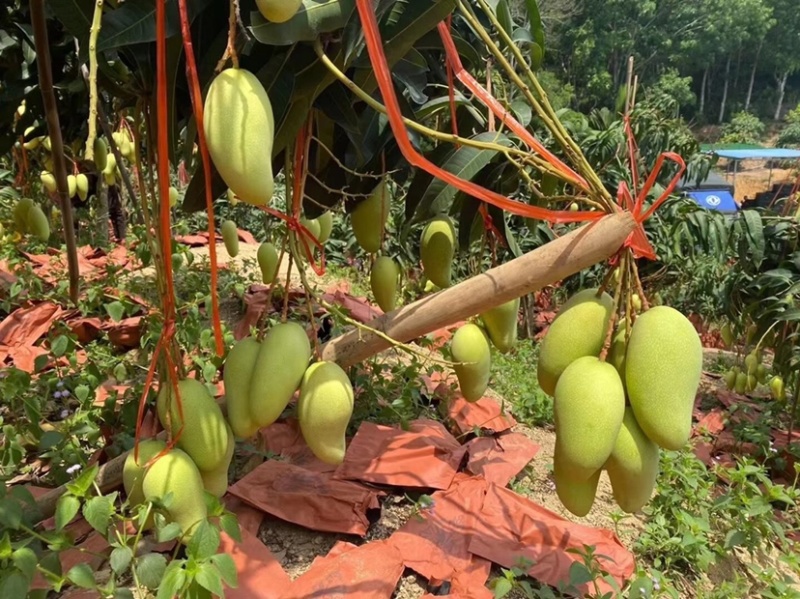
97	21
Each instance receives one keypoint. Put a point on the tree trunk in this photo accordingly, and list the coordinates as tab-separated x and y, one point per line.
703	91
781	94
753	77
725	90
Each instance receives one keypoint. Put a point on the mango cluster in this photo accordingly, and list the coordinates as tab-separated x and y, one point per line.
752	373
615	414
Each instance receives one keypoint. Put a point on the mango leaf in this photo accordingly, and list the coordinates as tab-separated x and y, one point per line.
466	220
422	179
74	15
466	162
134	22
412	71
537	31
312	19
432	41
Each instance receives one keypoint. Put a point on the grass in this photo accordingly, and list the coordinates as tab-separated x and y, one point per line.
514	378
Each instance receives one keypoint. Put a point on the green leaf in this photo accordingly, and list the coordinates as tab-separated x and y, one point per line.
25	560
123	593
150	569
59	346
82	392
116	310
169	532
82	576
230	524
501	587
209	578
173	581
5	547
312	19
81	485
120	559
537	31
204	542
466	162
227	568
97	512
10	514
579	574
50	439
67	508
74	15
14	585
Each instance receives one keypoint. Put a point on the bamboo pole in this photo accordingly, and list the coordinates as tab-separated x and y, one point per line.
548	264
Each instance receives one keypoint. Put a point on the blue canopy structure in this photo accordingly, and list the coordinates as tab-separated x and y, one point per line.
761	154
719	200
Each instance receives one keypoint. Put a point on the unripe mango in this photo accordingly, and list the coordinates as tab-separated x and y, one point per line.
20	214
267	256
237	376
632	466
240	130
437	248
369	218
174	196
741	383
110	178
72	186
324	410
589	407
501	324
111	165
175	473
578	330
48	181
325	221
776	388
204	436
278	11
730	379
663	369
383	281
82	186
100	153
133	472
472	358
298	241
575	495
38	223
216	481
636	302
727	335
282	360
230	235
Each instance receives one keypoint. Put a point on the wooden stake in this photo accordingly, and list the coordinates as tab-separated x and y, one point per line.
544	266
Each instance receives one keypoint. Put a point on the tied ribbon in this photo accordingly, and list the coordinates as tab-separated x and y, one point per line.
637	240
292	221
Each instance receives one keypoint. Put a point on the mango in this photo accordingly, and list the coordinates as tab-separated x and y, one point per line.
751	384
632	466
437	248
636	303
281	362
174	196
240	129
216	481
204	436
82	186
369	218
740	385
175	473
727	335
237	375
589	407
38	223
751	363
663	368
298	245
230	236
575	495
472	358
100	153
111	165
776	388
278	11
133	471
325	221
324	410
761	374
730	379
20	214
110	178
501	324
267	256
383	280
578	330
72	186
48	181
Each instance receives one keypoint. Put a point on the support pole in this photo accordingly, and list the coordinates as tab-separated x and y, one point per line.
546	265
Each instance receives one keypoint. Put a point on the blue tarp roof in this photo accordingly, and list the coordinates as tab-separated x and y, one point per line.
720	200
765	154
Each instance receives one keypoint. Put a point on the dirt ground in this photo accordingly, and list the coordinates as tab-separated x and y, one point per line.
753	177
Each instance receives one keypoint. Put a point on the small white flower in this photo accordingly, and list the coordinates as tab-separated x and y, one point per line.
73	469
64	414
656	585
60	384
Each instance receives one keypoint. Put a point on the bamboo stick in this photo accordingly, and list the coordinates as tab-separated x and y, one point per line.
548	264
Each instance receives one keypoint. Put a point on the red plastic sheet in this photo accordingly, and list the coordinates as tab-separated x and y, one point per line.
436	545
367	572
24	327
499	459
358	307
426	456
509	527
484	414
284	439
311	499
259	573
